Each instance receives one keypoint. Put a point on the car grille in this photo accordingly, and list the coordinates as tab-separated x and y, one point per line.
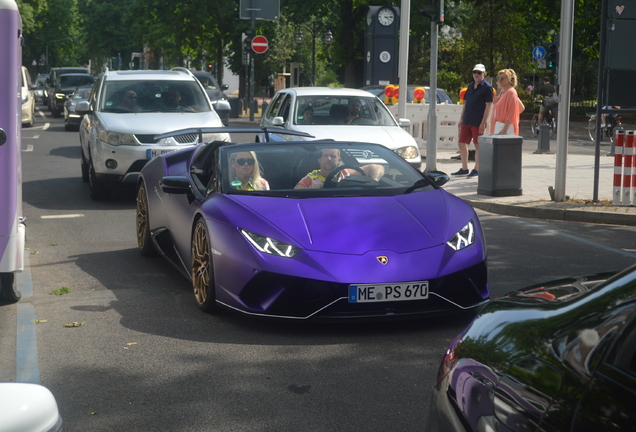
181	139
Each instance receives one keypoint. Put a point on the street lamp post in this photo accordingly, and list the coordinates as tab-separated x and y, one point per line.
47	50
327	39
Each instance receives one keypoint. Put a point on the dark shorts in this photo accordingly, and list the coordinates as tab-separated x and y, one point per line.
467	133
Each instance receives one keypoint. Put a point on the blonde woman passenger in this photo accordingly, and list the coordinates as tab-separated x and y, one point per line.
507	106
245	172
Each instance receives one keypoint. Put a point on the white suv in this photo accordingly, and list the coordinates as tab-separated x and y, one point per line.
125	112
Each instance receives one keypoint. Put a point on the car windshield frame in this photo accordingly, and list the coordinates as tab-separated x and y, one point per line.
333	111
284	164
154	95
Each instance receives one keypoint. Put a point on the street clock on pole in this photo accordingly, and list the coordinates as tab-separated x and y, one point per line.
381	45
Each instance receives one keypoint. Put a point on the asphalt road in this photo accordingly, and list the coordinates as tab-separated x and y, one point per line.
146	359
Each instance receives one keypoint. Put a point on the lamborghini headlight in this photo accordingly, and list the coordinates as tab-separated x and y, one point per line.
116	138
464	238
269	245
408	152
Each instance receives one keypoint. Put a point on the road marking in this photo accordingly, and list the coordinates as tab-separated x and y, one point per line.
26	347
36	136
45	126
571	237
29	148
64	216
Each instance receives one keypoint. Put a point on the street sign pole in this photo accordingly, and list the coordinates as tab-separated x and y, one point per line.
251	92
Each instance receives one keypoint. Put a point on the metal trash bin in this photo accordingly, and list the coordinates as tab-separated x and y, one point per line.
235	107
499	165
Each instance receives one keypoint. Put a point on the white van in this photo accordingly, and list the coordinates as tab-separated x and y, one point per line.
28	99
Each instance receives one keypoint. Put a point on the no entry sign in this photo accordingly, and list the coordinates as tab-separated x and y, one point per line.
259	44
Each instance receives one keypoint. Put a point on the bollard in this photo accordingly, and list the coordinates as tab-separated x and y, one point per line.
264	107
618	166
628	152
543	145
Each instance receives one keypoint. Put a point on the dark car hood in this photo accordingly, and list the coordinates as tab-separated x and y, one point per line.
215	95
356	225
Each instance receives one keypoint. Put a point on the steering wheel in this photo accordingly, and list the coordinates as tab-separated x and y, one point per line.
357	120
330	179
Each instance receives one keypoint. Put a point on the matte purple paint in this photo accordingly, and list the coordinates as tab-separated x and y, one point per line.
10	112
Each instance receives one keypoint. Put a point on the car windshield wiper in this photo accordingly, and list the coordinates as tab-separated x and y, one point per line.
117	110
418	184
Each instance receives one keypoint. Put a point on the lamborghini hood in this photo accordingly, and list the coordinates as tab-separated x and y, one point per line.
357	225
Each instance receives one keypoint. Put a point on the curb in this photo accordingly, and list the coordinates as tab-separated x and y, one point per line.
567	215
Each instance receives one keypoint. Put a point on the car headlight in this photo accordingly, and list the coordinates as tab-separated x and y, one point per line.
25	98
408	152
116	138
269	245
464	238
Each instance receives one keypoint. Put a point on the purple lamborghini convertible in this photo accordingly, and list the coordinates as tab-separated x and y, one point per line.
311	230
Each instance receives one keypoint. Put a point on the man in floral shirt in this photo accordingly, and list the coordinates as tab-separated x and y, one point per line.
329	161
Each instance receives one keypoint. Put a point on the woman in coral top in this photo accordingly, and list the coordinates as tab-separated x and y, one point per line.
507	107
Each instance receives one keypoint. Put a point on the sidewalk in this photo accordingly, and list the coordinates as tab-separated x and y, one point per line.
537	175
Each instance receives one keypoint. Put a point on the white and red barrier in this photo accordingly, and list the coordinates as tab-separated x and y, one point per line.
624	192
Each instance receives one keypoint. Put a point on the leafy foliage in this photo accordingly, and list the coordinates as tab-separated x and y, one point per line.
497	33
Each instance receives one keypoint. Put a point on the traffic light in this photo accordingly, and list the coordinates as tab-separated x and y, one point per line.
247	47
435	11
552	55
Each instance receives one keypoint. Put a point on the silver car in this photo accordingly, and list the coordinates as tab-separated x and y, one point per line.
341	114
124	113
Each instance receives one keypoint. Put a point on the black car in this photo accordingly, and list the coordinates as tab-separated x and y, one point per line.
72	119
553	357
54	79
67	85
215	94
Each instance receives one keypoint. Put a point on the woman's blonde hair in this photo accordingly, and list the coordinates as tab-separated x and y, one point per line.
257	175
512	76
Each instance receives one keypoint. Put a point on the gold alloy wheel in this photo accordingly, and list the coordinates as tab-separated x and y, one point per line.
200	263
142	217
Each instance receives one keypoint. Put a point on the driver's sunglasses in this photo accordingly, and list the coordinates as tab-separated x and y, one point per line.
242	161
477	72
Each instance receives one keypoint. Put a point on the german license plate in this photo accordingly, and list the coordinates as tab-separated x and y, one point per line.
153	153
388	292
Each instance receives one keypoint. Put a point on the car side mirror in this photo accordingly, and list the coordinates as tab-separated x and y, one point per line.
404	122
175	185
278	121
225	87
29	407
439	178
83	107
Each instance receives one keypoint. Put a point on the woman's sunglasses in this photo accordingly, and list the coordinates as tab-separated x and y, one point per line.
242	162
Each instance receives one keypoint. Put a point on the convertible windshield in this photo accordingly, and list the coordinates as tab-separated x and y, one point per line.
153	96
342	110
325	169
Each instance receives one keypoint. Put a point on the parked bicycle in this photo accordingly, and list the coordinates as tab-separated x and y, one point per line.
613	123
550	118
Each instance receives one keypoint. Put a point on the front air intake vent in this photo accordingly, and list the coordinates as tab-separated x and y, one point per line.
181	139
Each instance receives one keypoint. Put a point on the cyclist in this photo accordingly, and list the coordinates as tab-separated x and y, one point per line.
605	117
545	91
